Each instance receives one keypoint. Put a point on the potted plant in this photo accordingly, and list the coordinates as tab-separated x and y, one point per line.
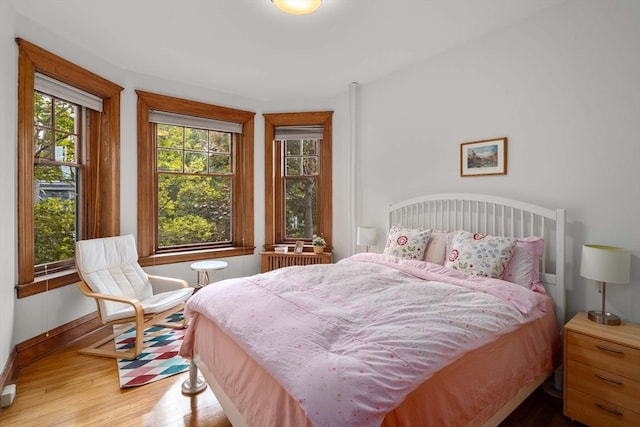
318	244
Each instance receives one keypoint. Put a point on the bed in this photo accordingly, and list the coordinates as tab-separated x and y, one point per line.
382	339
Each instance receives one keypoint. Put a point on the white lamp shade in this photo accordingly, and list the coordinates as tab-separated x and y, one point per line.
605	263
367	236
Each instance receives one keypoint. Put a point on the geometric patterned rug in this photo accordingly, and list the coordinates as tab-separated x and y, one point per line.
159	358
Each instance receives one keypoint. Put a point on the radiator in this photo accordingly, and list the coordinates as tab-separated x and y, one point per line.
275	260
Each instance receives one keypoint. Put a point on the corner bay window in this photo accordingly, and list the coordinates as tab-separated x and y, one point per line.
68	154
298	177
195	187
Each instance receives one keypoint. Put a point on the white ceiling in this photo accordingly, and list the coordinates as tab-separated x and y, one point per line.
250	48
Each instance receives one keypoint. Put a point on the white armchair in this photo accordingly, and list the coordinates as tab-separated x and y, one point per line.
123	292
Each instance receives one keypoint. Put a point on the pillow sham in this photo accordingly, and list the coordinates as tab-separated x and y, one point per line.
407	243
439	245
480	254
436	250
524	266
450	238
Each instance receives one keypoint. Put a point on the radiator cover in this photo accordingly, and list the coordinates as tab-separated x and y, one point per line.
275	260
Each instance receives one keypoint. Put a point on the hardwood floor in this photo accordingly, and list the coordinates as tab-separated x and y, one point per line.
539	410
69	389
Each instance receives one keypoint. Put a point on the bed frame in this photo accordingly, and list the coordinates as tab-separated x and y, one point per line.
498	216
482	214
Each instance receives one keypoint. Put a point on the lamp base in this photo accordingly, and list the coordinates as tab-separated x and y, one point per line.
603	318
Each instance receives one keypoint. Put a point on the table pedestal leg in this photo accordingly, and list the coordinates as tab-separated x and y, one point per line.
203	278
194	384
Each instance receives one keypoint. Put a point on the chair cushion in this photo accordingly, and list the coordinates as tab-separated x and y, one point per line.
110	265
100	254
152	305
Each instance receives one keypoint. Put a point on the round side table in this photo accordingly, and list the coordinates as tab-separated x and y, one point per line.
195	384
203	267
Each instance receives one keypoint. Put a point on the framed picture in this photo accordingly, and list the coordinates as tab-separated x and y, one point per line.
487	157
299	247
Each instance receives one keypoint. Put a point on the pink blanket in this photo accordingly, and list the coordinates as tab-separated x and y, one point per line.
350	340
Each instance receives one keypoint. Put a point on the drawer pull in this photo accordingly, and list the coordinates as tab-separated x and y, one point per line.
609	410
610	350
609	380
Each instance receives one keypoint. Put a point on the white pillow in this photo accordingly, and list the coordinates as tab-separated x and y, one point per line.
436	247
407	243
439	245
480	254
524	266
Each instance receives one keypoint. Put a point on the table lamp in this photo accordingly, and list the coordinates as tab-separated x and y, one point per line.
367	236
606	264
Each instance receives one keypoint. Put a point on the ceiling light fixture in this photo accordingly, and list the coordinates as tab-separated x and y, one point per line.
297	7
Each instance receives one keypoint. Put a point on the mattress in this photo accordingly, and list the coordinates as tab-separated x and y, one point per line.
466	388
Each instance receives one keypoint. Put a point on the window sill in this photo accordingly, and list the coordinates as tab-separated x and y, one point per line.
47	283
175	257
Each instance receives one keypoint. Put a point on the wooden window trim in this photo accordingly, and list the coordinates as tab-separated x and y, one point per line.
242	229
102	203
274	234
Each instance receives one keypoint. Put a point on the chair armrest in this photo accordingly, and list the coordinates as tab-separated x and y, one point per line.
164	284
86	290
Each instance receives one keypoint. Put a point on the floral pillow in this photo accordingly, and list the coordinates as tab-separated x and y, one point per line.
407	243
524	265
481	254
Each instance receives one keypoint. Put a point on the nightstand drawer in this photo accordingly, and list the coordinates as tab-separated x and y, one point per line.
605	385
604	354
595	412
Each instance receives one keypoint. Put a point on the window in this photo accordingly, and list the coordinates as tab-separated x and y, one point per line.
300	180
57	181
68	154
298	177
195	180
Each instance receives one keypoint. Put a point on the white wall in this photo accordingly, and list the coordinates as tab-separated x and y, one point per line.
564	87
8	122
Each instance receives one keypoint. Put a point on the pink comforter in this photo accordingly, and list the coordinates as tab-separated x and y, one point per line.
350	340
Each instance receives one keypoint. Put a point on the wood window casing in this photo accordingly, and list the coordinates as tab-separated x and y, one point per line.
242	205
274	188
101	190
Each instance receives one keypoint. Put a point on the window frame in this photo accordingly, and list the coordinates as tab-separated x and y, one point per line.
242	239
101	186
274	181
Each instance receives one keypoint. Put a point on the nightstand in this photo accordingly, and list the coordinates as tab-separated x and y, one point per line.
601	372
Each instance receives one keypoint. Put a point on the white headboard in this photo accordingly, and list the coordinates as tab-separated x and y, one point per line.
498	216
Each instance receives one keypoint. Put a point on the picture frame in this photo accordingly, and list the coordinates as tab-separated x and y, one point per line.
486	157
299	247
